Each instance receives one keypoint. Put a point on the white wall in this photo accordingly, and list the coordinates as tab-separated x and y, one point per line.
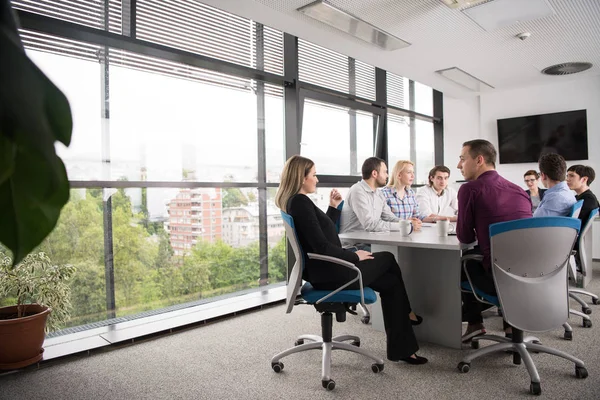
461	123
563	96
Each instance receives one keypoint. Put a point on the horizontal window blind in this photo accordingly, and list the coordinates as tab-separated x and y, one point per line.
329	69
84	12
205	30
57	45
396	88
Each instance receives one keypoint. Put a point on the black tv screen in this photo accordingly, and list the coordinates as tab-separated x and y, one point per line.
525	139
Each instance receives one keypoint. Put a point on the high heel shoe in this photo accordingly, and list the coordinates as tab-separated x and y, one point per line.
418	321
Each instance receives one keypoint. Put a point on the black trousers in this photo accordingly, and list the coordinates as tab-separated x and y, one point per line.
483	280
383	275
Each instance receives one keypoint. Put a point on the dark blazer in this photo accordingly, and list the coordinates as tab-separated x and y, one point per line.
317	234
590	202
540	191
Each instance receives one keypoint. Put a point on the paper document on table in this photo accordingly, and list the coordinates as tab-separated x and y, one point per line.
428	224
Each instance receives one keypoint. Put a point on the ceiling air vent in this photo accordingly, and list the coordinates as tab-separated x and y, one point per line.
567	68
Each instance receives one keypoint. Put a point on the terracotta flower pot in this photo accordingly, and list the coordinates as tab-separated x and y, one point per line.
21	339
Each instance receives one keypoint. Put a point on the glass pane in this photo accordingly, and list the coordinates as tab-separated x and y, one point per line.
423	99
425	150
274	137
170	129
276	239
326	138
178	246
321	196
398	139
80	81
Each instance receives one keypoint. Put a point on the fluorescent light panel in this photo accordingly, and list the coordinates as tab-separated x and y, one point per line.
500	13
465	79
348	23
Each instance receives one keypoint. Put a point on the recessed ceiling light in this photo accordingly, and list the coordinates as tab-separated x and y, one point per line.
500	13
348	23
465	79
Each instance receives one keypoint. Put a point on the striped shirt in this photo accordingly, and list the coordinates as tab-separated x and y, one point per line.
402	208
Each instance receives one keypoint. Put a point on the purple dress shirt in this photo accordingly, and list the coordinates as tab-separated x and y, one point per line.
485	201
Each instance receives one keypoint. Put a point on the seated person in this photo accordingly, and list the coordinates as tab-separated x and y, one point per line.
437	200
579	179
535	193
558	199
365	208
400	197
317	234
485	199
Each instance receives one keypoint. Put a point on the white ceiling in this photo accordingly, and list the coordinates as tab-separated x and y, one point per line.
442	37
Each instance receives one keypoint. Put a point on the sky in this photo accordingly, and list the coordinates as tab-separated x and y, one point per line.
168	124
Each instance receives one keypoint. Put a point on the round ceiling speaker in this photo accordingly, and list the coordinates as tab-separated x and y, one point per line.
567	68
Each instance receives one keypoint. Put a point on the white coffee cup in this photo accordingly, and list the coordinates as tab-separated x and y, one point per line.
406	227
444	227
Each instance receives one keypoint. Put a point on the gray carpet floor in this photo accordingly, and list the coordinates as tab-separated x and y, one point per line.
230	359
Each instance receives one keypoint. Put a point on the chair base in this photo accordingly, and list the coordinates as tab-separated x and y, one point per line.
520	347
327	345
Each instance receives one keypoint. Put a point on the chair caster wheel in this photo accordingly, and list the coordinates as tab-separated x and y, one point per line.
581	372
365	320
586	310
377	368
329	385
568	335
587	323
595	300
535	342
299	342
535	388
277	366
475	344
464	367
355	343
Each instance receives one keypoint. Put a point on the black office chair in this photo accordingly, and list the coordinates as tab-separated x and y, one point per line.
327	303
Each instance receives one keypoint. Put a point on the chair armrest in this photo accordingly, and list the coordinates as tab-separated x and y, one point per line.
347	264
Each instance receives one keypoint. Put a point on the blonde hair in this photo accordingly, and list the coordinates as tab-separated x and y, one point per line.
296	168
398	167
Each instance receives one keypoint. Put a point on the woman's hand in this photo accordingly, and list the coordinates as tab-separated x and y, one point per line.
364	255
335	198
416	223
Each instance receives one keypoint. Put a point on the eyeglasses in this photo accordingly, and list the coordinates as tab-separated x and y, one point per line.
530	180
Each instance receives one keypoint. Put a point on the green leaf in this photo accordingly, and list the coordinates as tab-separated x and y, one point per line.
34	114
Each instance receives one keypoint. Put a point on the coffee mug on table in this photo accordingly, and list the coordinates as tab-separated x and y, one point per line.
406	227
444	227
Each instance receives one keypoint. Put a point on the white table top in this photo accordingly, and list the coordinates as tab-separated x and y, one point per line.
427	237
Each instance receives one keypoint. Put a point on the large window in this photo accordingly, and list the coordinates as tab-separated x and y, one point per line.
181	131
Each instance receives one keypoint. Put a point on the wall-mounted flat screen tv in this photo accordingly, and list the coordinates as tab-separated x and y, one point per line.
525	139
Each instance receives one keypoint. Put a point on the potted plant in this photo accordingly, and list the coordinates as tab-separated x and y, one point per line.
40	290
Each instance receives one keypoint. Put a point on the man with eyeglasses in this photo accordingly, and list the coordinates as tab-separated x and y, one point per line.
558	199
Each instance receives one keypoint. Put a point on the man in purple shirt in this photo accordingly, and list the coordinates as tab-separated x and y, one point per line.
485	199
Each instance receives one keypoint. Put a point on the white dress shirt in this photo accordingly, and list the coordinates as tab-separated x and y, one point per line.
365	209
430	202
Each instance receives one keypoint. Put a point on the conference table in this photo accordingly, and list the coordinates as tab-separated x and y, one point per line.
431	267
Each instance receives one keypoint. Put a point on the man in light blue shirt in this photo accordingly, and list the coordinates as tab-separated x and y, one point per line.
558	199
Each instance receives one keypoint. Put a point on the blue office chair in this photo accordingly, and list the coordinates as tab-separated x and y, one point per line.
339	220
327	303
531	288
576	209
583	263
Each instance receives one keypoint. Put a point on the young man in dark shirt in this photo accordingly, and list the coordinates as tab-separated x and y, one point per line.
579	179
485	199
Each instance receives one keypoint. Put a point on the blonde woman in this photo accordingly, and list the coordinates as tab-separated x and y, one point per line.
317	234
400	197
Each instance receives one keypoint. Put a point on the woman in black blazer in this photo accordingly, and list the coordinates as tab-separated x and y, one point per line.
535	193
317	234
